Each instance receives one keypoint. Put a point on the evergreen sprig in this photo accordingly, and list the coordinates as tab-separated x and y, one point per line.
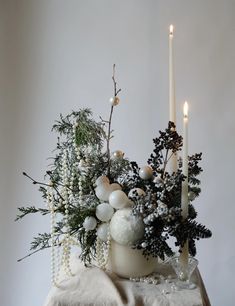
23	211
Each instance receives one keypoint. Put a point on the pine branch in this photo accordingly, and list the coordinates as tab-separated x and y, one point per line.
30	210
41	241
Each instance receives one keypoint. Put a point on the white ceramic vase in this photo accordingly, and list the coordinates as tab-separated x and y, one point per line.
127	262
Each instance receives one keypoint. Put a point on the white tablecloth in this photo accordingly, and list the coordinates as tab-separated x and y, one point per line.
94	287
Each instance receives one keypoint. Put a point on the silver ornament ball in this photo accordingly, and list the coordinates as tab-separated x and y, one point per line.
118	154
146	173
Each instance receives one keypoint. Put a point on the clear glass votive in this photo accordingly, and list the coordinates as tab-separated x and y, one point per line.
183	272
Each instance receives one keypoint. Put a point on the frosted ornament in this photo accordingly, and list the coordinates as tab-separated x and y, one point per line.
118	199
102	191
101	180
140	192
125	228
146	172
89	223
103	231
104	212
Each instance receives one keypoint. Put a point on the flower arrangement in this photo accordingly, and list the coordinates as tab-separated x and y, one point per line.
95	196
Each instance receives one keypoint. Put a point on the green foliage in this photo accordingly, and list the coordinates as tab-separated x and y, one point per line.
80	130
23	211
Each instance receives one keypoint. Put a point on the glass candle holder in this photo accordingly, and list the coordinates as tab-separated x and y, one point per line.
183	272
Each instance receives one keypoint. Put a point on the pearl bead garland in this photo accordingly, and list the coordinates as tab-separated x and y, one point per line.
65	195
102	251
77	151
54	260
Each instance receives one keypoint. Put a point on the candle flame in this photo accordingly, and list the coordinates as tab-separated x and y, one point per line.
171	29
186	109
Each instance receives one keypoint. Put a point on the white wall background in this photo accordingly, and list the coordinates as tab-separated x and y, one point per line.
57	55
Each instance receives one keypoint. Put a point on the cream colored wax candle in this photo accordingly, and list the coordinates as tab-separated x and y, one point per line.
184	194
173	161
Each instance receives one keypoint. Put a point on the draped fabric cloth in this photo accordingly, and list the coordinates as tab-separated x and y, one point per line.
94	287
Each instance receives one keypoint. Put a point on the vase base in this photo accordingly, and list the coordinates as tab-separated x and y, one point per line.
129	263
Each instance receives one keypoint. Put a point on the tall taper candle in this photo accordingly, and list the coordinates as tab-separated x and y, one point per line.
173	161
184	194
171	77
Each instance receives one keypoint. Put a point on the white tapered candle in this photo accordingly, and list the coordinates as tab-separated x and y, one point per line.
171	77
184	194
172	106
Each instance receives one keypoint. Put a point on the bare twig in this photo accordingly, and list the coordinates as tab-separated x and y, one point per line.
30	254
116	91
43	184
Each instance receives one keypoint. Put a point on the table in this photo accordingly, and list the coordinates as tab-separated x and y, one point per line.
94	287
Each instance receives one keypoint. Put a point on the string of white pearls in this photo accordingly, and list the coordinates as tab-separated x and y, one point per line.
102	251
54	260
79	163
65	195
77	151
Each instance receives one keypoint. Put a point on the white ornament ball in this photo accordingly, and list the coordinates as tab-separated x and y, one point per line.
117	154
115	186
118	199
140	192
102	231
114	101
125	228
158	180
104	212
146	173
101	180
89	223
102	191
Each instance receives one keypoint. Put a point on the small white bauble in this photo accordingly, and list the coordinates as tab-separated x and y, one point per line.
102	231
101	180
114	101
102	191
89	223
118	199
146	173
158	180
104	212
117	154
125	228
115	186
140	192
